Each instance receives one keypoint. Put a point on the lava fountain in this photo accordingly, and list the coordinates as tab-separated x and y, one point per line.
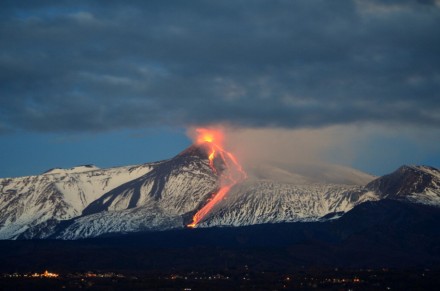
232	173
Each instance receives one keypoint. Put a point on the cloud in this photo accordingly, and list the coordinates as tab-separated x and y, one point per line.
376	149
81	66
301	146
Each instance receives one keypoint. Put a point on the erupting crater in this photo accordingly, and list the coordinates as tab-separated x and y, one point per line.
231	174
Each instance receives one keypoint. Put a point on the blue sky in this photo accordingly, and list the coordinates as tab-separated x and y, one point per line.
116	83
34	153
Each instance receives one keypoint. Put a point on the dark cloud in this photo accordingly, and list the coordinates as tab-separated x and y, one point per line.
85	66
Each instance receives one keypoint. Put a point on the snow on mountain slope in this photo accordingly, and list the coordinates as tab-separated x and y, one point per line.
160	199
27	202
178	184
251	202
419	184
262	201
270	201
146	218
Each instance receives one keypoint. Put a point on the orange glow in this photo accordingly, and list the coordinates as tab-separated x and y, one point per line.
211	160
49	275
209	135
46	274
231	175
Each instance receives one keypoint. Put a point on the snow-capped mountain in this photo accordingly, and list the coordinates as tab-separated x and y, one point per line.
269	201
87	201
164	198
263	201
30	204
420	184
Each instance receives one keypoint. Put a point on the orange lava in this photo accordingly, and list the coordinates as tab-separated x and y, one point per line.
231	175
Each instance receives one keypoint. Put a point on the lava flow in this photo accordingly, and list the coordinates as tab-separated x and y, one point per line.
229	176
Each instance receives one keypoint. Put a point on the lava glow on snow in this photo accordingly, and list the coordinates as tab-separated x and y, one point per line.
232	174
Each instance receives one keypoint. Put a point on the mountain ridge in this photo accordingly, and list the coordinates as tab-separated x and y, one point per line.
86	201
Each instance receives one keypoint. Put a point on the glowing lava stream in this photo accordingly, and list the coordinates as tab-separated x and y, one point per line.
231	175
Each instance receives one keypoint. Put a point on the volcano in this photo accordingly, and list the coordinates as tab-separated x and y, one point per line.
222	163
203	186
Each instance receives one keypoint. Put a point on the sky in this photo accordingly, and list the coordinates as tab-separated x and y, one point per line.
115	83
